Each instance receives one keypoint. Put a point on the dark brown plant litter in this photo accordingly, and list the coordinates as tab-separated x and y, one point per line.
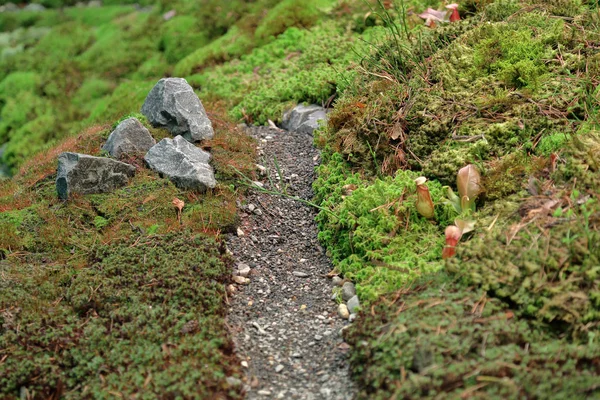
287	331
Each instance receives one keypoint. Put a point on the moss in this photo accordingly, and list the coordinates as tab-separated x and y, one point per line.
374	234
117	313
95	282
17	82
289	13
552	143
439	339
506	176
544	259
126	99
180	36
90	92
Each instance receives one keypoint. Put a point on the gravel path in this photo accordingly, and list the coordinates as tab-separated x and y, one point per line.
286	327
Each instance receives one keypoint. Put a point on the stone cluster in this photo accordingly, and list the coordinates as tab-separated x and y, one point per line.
171	104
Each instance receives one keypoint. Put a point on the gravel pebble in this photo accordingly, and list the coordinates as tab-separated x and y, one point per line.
243	270
297	319
353	304
343	311
348	291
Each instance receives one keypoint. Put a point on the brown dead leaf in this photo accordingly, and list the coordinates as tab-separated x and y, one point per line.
397	131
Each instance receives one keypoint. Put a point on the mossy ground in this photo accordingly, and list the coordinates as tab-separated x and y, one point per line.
62	70
112	294
512	90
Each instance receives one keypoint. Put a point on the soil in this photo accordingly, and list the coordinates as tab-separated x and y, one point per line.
285	323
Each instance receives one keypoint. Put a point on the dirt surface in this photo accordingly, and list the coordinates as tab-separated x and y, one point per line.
285	323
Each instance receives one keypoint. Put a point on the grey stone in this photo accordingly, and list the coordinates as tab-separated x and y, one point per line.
353	304
279	368
348	291
300	274
183	163
9	7
80	173
34	7
172	104
304	119
129	137
243	270
234	382
337	281
95	3
352	317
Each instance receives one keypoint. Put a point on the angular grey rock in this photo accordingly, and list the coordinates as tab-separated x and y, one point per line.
80	173
172	104
353	304
129	137
304	119
183	163
348	291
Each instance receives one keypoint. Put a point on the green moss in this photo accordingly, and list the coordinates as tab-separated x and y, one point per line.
376	237
545	259
127	98
92	16
290	13
181	36
118	49
552	143
104	328
17	82
90	92
438	339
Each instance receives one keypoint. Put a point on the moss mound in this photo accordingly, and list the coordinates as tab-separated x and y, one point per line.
439	339
546	259
145	318
515	314
116	294
466	92
374	234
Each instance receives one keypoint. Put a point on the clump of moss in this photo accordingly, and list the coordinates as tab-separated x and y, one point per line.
440	339
374	234
488	91
298	66
133	322
545	259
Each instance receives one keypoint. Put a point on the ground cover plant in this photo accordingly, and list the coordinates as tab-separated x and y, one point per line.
508	307
510	91
66	68
118	294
